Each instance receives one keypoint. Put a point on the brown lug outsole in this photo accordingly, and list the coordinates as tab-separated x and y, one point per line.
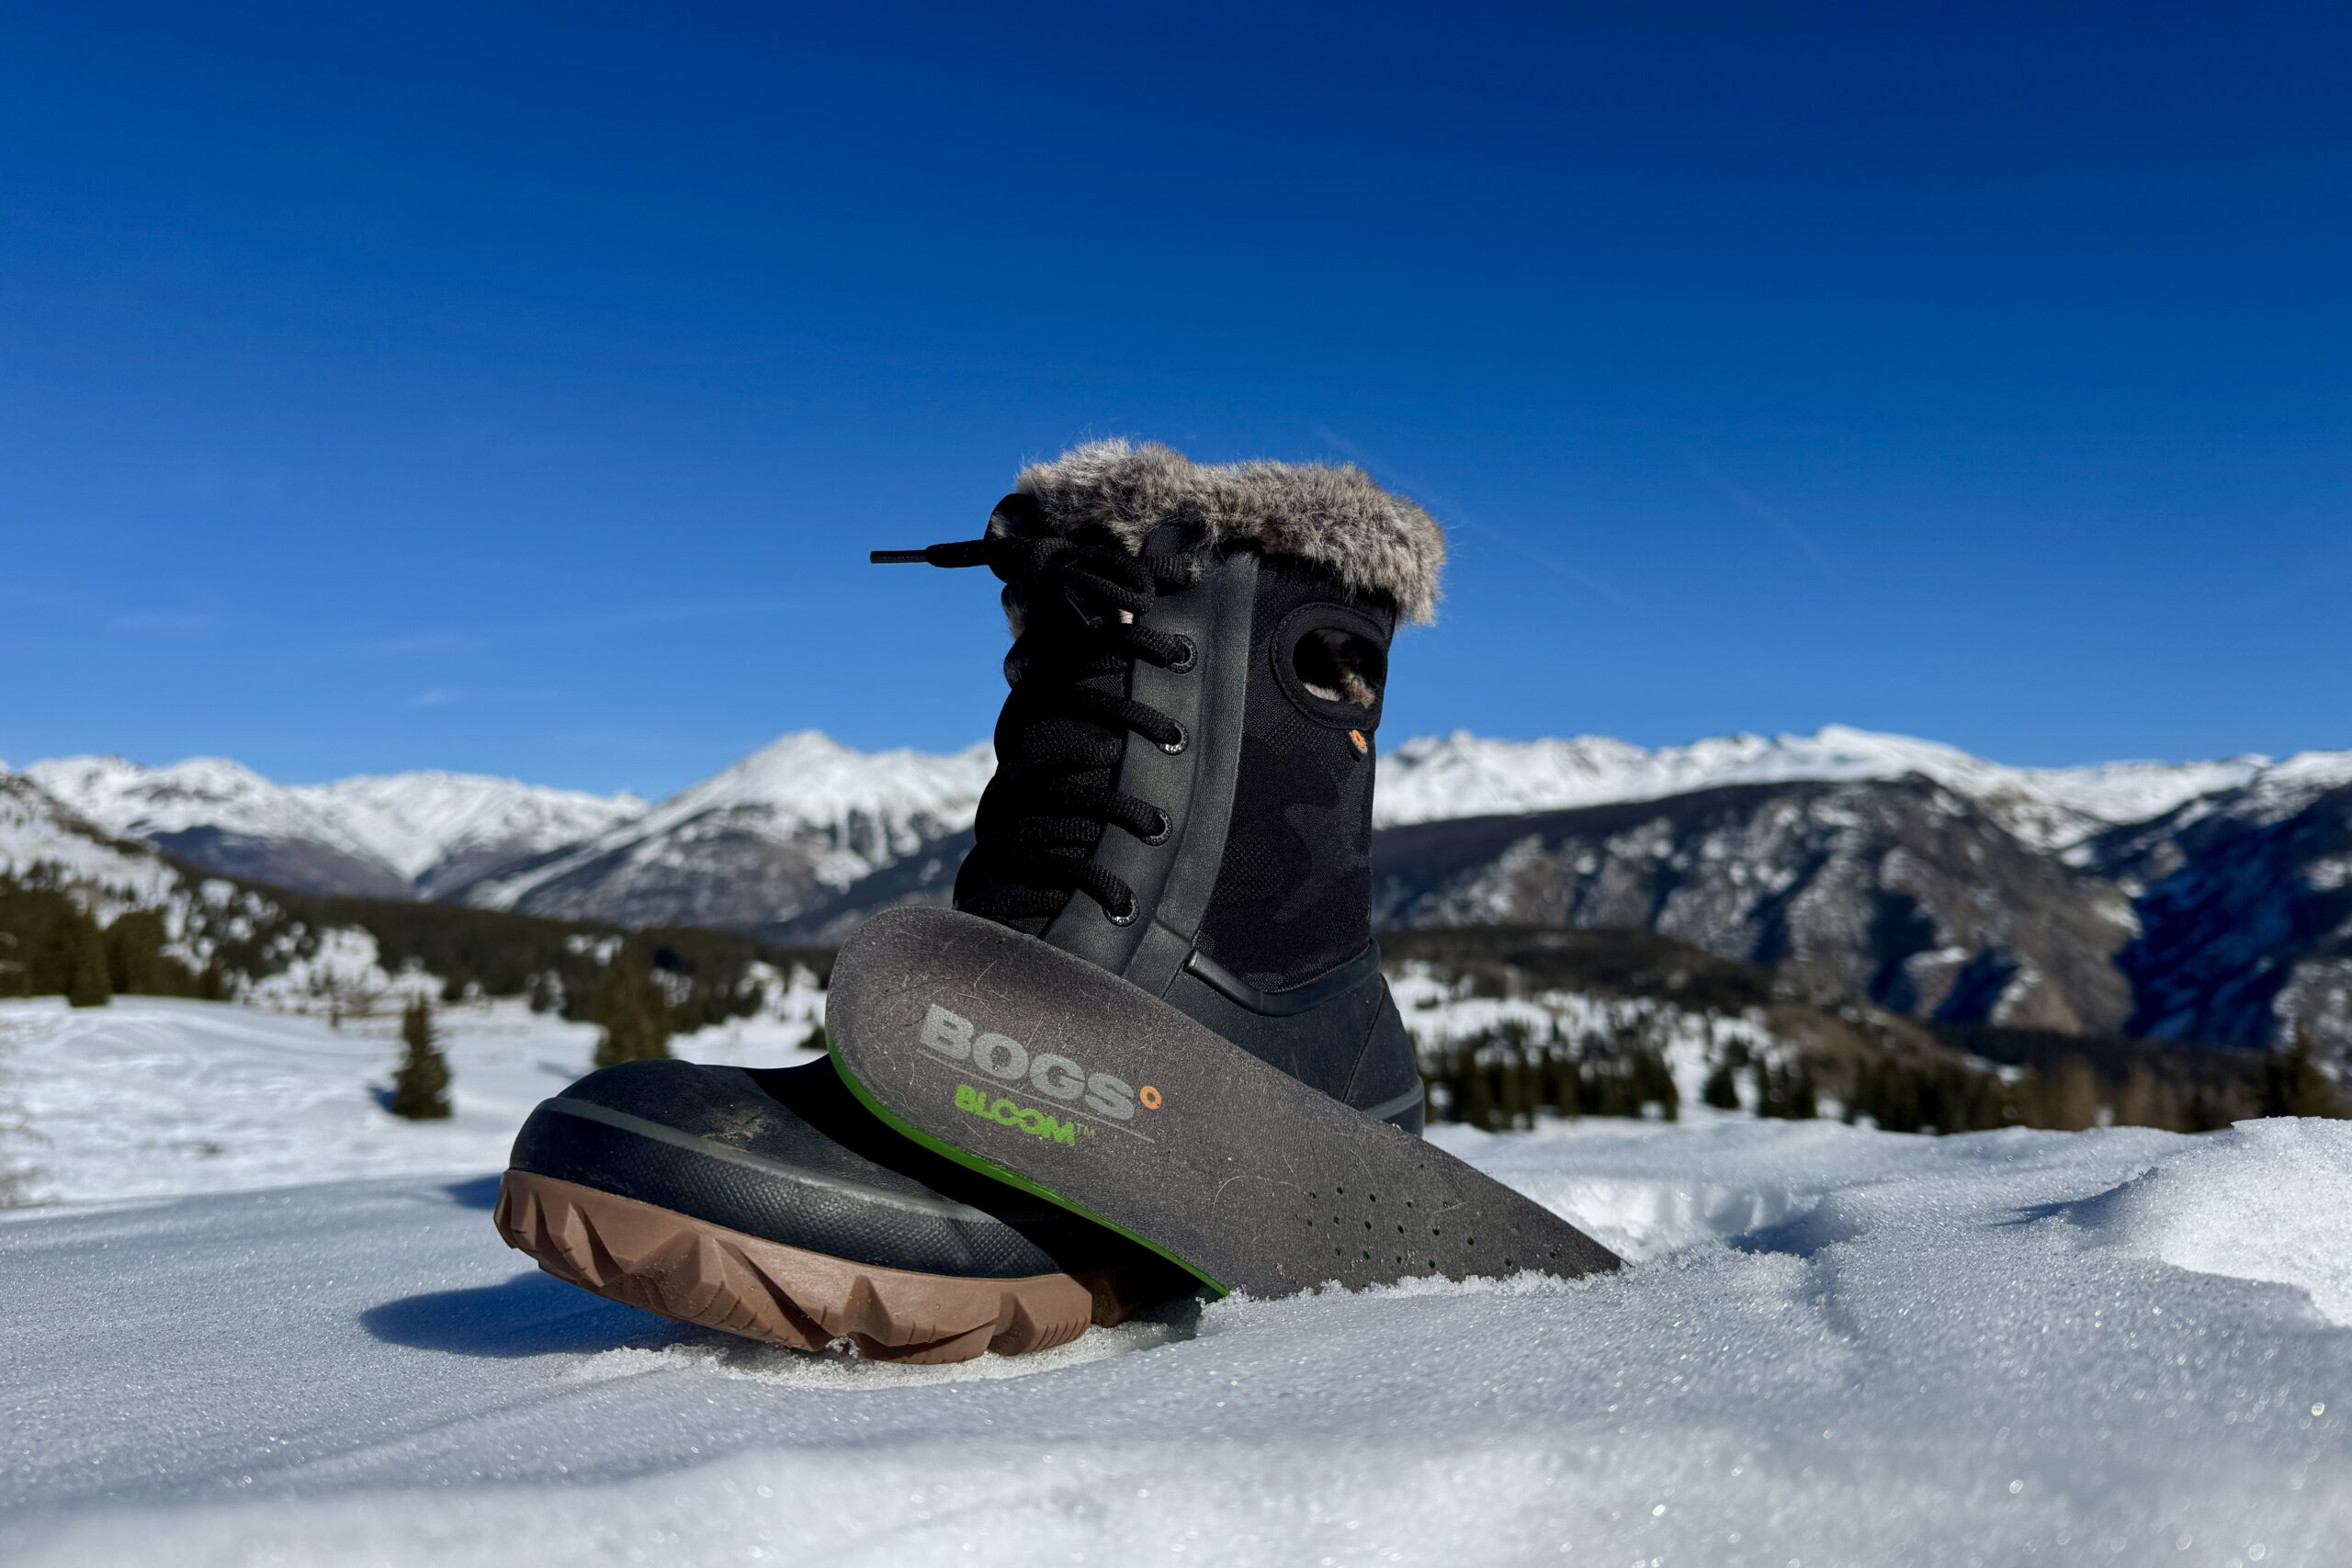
701	1273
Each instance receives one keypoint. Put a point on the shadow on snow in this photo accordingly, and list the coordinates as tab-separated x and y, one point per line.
530	1314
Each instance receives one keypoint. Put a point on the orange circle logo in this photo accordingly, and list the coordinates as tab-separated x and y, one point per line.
1149	1096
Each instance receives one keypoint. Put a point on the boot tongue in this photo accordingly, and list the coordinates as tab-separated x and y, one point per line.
1075	749
1033	746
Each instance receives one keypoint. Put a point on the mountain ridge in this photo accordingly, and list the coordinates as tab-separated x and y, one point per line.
379	834
2205	900
405	819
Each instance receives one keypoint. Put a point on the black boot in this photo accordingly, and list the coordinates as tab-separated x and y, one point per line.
1184	800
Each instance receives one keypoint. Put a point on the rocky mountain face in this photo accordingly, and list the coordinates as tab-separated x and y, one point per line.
2244	904
2208	900
1902	891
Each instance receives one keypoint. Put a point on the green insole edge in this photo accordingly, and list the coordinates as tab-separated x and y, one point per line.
971	1161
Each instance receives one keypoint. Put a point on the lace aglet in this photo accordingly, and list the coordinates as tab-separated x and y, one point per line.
966	552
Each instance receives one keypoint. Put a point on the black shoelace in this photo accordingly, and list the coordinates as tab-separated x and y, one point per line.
1082	607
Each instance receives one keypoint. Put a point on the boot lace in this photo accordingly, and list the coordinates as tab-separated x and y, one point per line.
1082	602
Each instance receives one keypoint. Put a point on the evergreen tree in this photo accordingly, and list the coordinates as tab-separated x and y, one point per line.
1944	1103
1604	1090
1801	1094
632	1012
2293	1083
2146	1101
1527	1086
1722	1087
2205	1112
51	971
420	1084
1861	1096
542	992
88	984
1653	1083
136	965
1890	1095
1560	1076
1473	1098
2065	1099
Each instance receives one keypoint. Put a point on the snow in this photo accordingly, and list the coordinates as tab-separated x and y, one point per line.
36	834
1440	1012
414	821
1831	1346
869	809
151	1097
811	780
1433	779
124	797
407	823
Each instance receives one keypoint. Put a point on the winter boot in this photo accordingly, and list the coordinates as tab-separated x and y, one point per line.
1182	808
1157	1002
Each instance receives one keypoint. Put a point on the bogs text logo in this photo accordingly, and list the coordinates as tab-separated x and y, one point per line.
1006	1060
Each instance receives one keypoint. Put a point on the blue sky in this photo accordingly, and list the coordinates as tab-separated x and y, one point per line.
520	389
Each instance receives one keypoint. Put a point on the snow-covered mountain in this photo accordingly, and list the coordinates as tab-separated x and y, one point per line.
2207	900
397	836
458	835
1433	779
442	830
38	837
46	846
765	842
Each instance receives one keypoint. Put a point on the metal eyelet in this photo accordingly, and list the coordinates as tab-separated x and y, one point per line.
1127	919
1160	835
1176	747
1190	659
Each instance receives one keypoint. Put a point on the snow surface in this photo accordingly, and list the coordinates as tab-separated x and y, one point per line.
1832	1347
154	1096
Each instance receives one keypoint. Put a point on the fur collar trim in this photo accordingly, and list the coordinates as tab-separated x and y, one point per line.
1336	517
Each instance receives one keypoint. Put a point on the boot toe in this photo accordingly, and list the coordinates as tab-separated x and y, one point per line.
788	1156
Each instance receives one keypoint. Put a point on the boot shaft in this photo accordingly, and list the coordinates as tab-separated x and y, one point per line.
1293	582
1186	760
